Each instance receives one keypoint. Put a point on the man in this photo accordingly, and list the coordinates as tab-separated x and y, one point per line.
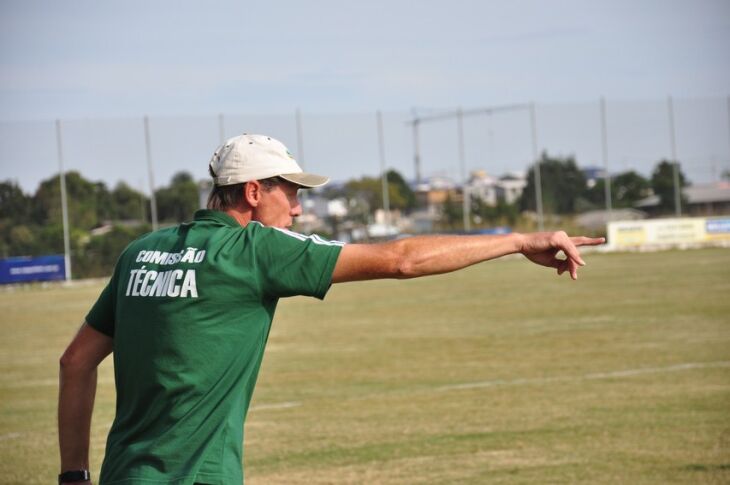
188	310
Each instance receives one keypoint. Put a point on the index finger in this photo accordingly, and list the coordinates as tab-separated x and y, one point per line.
587	241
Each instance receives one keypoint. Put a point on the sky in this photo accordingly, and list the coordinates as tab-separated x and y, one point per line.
100	66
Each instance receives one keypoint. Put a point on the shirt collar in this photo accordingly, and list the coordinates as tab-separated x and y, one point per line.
217	216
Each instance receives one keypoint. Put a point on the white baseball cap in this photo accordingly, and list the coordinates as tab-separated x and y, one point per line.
254	157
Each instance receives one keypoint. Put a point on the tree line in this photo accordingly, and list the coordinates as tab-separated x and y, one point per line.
32	225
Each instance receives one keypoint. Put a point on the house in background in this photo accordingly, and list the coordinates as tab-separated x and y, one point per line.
701	200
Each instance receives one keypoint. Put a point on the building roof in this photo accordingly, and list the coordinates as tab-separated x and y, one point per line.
696	194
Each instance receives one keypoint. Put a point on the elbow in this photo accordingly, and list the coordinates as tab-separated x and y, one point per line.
403	265
404	270
71	363
66	362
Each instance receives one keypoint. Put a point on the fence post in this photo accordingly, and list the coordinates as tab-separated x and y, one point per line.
148	150
64	204
536	156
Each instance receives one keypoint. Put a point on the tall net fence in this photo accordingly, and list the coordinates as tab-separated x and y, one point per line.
443	146
345	146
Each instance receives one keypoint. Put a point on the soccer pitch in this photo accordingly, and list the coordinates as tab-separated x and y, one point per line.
502	373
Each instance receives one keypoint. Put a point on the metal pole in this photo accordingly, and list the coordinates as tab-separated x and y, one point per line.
462	166
153	199
64	205
416	151
221	128
536	156
604	146
728	125
300	159
675	162
384	174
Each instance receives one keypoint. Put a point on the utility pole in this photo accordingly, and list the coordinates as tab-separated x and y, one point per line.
536	156
64	204
148	150
462	167
604	147
384	174
675	162
300	159
416	151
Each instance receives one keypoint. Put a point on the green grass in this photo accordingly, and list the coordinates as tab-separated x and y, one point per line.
502	373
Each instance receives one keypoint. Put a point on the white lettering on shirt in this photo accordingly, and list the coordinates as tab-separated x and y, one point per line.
174	283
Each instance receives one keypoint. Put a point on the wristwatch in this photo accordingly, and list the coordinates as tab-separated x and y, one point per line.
74	476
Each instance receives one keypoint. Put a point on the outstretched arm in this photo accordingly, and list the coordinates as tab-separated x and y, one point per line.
428	255
76	395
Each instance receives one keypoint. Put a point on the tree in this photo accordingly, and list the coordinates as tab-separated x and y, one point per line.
15	205
81	197
501	213
128	203
562	185
627	188
453	211
662	182
396	180
98	256
177	202
400	195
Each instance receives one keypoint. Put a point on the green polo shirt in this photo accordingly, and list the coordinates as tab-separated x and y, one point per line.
189	309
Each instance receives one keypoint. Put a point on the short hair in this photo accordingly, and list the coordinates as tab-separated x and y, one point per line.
224	197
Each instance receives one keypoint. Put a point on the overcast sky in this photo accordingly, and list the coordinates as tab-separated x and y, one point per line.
89	59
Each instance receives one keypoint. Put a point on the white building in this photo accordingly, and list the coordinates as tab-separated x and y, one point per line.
510	186
491	190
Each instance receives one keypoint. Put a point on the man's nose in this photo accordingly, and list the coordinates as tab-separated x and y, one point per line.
296	209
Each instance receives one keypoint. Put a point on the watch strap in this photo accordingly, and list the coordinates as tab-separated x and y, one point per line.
74	476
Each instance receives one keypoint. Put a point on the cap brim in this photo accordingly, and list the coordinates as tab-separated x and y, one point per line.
308	180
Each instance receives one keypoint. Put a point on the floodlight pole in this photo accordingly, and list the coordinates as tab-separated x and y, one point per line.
300	159
462	167
604	150
675	162
64	205
416	150
728	120
384	174
536	156
148	151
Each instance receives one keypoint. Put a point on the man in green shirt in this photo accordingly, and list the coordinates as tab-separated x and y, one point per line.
188	309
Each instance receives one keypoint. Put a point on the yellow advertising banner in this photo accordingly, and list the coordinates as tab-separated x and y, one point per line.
668	232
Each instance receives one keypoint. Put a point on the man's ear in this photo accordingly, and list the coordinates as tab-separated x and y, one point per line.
252	192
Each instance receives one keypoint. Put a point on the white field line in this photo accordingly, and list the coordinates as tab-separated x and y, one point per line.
9	436
586	377
277	405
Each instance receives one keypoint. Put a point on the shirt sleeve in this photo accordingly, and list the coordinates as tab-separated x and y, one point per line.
294	264
101	317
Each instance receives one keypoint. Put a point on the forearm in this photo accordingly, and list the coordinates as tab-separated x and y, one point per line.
426	255
75	405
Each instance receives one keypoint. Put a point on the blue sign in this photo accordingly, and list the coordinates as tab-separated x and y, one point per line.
717	225
493	230
42	268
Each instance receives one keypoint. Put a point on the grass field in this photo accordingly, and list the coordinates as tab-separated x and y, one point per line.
502	373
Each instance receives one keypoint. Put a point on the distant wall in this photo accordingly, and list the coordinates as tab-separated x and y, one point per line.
42	268
657	233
